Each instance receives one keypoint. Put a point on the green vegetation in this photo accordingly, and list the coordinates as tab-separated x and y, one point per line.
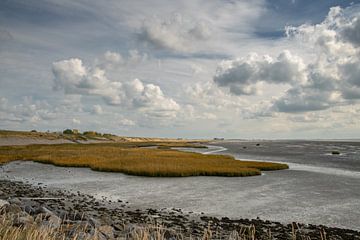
132	158
71	131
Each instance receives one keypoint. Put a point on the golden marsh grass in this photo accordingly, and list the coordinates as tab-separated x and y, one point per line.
131	159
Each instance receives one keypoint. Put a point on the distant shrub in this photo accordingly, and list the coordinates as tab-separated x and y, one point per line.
108	135
92	133
33	131
68	131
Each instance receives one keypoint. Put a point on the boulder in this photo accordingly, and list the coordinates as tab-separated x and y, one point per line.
54	221
11	208
93	222
29	209
23	219
15	201
3	203
48	219
107	231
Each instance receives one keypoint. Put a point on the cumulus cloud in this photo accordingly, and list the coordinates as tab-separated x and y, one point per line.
241	76
97	109
329	78
176	33
114	61
73	77
76	121
28	110
126	122
303	100
207	95
113	57
352	31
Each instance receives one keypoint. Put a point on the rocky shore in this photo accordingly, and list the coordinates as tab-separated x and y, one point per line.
104	219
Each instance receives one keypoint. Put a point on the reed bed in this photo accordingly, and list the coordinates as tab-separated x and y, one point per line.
134	160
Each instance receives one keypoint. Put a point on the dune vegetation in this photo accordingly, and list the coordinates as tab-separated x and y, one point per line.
74	135
135	159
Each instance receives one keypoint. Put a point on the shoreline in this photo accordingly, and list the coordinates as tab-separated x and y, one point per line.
292	166
119	213
118	216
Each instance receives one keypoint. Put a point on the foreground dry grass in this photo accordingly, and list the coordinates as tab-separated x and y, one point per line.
9	231
131	159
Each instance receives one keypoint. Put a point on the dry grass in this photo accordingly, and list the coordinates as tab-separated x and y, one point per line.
41	135
129	158
32	231
9	231
25	134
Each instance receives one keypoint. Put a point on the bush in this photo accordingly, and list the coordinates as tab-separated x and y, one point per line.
68	131
92	133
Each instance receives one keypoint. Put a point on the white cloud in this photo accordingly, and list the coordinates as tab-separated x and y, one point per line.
182	50
97	109
113	57
76	121
126	122
329	77
73	77
352	31
207	95
241	76
27	110
113	61
175	33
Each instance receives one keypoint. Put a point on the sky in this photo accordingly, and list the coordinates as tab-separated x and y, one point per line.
248	69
